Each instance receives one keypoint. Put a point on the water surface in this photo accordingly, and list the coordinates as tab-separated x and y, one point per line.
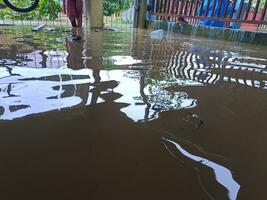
123	115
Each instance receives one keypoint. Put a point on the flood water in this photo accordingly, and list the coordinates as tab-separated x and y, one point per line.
123	115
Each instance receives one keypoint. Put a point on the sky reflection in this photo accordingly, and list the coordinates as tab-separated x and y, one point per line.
27	91
222	174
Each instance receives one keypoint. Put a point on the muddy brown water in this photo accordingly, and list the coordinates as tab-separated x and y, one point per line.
121	115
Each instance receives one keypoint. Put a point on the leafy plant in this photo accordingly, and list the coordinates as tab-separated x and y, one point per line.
116	6
49	8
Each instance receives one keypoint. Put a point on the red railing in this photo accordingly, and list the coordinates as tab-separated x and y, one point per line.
227	11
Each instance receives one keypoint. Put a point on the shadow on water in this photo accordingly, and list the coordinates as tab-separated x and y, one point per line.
131	115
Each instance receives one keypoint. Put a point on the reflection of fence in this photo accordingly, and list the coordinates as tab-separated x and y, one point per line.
208	66
239	11
200	68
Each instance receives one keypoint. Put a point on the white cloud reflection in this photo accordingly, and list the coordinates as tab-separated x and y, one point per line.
28	91
222	174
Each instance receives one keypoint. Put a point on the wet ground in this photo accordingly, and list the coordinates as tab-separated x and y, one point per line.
123	115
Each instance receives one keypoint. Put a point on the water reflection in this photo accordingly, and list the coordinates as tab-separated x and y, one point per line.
124	60
207	65
146	75
26	91
147	97
222	174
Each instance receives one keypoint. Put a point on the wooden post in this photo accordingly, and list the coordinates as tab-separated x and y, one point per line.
94	13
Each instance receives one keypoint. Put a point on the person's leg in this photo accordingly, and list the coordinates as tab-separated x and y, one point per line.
73	22
79	20
79	12
69	7
76	19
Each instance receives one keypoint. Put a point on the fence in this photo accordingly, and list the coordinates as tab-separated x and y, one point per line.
221	13
12	18
120	20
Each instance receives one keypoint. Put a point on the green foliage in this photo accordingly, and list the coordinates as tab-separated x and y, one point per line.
261	5
49	8
116	6
46	9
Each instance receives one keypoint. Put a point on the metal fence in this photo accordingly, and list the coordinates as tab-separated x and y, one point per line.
21	19
120	20
251	13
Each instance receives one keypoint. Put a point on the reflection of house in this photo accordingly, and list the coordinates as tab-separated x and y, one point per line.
50	59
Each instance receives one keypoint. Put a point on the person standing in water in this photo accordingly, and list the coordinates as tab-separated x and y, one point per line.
74	11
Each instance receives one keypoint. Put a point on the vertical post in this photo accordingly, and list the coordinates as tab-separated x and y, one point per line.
136	12
140	14
264	11
256	10
248	9
94	49
94	13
